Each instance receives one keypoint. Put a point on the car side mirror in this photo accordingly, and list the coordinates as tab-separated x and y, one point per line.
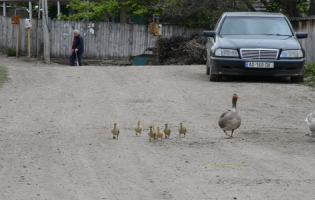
209	33
301	35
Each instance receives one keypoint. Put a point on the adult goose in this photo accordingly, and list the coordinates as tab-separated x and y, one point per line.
230	121
310	121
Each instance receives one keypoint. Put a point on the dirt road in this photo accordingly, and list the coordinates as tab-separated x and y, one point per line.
55	140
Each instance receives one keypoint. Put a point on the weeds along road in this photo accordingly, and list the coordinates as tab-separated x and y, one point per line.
55	140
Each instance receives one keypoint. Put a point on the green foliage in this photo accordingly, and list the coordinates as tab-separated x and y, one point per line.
302	7
3	75
108	8
309	73
289	8
200	13
310	69
11	52
193	13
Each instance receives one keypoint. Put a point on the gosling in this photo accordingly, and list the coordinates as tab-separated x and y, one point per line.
151	134
115	131
153	129
159	134
167	131
182	129
138	129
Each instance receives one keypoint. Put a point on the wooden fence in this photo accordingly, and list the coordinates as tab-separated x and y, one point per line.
111	40
8	36
306	25
102	40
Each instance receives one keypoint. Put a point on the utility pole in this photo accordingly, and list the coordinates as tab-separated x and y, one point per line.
38	45
58	9
30	9
46	32
156	20
88	10
4	9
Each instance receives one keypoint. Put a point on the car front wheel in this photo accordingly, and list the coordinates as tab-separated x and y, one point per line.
215	77
212	77
297	79
208	70
208	64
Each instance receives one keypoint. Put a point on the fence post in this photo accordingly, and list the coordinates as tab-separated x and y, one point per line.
18	41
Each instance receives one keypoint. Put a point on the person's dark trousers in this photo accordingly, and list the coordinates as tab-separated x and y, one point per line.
73	59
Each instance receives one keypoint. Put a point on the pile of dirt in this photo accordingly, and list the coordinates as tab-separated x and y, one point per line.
179	50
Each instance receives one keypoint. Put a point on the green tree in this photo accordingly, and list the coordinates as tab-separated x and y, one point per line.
99	10
194	13
311	10
291	8
199	13
204	13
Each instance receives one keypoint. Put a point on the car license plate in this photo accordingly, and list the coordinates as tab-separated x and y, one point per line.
267	65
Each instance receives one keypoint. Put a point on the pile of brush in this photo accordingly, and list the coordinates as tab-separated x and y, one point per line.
179	50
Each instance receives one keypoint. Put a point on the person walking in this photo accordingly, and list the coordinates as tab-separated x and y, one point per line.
77	49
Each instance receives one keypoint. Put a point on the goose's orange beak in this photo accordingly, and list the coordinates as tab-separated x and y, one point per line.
237	96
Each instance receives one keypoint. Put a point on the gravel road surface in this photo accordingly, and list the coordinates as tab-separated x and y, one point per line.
55	139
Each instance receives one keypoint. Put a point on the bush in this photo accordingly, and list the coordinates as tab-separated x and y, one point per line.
11	52
179	50
309	73
310	69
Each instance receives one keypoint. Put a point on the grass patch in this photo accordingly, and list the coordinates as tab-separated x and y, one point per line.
3	75
11	52
309	74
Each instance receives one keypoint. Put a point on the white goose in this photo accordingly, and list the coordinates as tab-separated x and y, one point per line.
310	121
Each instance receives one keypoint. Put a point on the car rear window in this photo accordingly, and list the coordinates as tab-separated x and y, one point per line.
255	26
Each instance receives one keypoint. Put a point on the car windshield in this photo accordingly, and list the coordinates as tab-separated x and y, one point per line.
255	26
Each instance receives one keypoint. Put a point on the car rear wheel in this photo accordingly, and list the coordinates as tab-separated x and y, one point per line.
297	79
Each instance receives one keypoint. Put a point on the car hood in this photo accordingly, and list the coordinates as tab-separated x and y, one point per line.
258	41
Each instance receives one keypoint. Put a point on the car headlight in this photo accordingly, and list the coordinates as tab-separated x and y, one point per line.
292	54
226	52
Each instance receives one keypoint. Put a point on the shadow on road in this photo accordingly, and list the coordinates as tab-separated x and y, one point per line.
256	79
245	79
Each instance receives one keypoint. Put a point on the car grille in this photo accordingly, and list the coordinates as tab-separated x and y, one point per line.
259	53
